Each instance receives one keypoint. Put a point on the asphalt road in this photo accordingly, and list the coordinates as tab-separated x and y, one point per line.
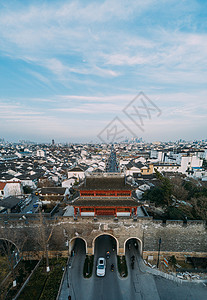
30	207
112	163
139	284
107	287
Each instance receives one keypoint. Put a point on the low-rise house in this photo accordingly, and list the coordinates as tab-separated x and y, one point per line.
54	193
69	182
10	188
77	172
10	205
2	186
141	189
164	167
190	163
147	170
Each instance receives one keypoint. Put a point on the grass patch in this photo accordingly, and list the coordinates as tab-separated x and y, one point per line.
21	273
43	285
4	267
88	266
122	266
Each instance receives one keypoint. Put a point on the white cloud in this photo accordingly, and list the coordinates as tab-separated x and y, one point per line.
40	34
68	115
123	59
102	49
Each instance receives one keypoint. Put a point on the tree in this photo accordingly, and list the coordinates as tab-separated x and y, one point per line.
191	187
199	209
178	190
154	195
173	260
45	182
205	164
9	239
27	189
166	186
45	231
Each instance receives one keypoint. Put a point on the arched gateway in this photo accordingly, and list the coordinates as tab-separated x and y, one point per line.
72	243
105	234
133	240
10	250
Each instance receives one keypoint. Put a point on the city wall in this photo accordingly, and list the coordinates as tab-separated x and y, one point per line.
176	237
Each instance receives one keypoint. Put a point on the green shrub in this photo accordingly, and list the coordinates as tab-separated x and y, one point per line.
122	266
44	285
172	260
88	266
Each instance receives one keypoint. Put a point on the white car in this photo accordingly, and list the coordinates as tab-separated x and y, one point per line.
101	267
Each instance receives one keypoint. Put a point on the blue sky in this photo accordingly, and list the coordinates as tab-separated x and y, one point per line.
68	68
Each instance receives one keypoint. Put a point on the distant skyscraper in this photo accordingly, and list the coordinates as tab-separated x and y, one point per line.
53	142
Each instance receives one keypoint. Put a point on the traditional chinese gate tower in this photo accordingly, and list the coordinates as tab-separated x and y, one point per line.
105	194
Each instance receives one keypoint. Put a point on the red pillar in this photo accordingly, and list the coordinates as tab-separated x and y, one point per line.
75	211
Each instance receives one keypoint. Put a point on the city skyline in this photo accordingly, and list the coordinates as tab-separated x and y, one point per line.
68	68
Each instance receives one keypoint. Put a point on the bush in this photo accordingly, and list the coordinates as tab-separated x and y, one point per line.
44	285
22	271
122	266
27	189
172	260
155	195
88	266
52	284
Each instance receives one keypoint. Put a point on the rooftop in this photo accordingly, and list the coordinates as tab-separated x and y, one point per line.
105	181
106	201
9	202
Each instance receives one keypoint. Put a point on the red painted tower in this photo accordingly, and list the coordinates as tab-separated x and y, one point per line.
105	194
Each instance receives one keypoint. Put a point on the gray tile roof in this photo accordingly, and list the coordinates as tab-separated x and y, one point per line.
106	201
105	183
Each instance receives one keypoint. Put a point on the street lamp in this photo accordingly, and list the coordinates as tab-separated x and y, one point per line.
67	273
47	259
158	258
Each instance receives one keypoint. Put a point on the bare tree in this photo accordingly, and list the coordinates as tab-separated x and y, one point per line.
11	247
178	189
199	208
45	230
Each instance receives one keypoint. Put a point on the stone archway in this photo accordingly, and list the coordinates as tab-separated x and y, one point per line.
72	243
133	239
105	234
5	239
11	250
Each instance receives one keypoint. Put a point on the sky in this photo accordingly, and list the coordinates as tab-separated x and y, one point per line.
101	71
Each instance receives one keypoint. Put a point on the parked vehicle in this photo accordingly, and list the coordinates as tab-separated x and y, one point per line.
37	204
